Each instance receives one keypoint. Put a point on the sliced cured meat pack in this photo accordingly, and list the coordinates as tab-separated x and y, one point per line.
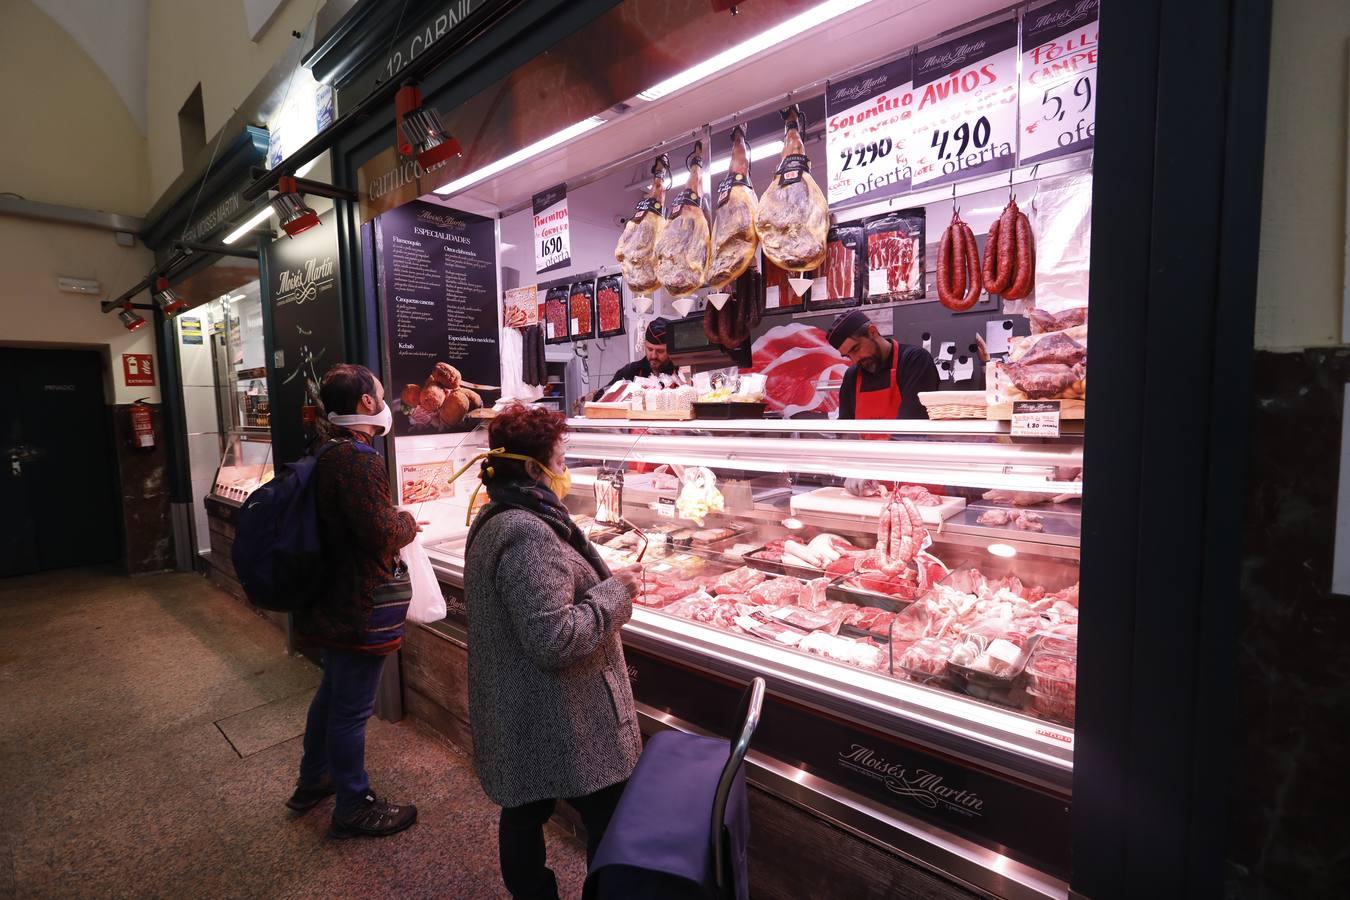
636	251
895	263
842	270
609	306
684	246
556	303
778	293
794	217
581	311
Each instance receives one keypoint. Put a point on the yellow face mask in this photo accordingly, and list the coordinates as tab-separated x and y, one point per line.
560	483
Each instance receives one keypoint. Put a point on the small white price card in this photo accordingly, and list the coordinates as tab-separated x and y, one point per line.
665	508
1059	79
1035	418
866	130
965	106
552	230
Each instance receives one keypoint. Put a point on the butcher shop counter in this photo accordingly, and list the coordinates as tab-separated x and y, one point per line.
932	764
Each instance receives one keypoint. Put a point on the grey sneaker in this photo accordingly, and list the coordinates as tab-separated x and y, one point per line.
375	818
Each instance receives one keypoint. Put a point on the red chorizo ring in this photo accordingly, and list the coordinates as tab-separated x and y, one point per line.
958	263
710	324
991	255
972	263
944	266
1025	277
1007	248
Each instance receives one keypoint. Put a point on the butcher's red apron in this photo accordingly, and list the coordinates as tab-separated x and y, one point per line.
882	404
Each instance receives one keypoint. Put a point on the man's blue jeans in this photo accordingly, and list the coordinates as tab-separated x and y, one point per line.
335	731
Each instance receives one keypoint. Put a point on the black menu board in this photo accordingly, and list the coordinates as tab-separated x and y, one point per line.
307	338
438	286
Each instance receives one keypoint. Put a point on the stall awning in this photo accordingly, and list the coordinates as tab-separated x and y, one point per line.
203	208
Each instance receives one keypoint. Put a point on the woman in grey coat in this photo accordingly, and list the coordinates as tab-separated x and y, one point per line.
549	700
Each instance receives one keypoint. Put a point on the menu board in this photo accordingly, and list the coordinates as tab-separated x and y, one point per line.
438	284
307	336
867	132
965	98
1059	79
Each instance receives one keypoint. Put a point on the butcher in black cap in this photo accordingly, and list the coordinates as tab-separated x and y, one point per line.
655	361
886	376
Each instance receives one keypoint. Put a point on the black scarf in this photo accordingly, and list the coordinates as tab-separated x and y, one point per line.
532	496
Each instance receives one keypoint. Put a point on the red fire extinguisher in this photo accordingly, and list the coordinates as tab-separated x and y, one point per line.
142	426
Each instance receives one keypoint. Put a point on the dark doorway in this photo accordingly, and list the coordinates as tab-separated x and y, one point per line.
58	480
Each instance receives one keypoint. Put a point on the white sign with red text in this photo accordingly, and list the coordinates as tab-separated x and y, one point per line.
552	230
1059	79
867	132
965	106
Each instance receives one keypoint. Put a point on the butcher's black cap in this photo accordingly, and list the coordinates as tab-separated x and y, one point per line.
846	326
656	331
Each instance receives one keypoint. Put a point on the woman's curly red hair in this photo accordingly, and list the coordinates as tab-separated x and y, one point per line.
528	430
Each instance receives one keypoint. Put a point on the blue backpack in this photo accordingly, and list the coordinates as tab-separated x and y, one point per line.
277	554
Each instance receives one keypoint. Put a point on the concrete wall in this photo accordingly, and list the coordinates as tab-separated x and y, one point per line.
1303	228
207	41
32	255
73	141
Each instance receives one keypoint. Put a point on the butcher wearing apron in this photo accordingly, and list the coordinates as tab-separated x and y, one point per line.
880	384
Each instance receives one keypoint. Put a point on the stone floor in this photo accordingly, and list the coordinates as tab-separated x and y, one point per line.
149	734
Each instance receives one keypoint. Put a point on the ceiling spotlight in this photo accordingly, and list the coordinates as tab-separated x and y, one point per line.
290	208
169	302
419	131
130	319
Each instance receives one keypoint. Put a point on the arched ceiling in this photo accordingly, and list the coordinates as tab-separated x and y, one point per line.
116	35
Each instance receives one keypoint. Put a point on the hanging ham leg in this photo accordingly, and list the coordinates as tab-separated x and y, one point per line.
734	238
794	217
636	251
684	247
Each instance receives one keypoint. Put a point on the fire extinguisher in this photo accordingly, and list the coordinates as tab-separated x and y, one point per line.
142	426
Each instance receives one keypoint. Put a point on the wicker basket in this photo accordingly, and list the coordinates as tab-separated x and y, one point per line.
954	404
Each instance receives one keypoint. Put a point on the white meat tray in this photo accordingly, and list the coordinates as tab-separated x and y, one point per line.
839	502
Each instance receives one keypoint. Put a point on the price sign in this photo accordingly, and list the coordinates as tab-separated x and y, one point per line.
552	230
665	508
1035	418
1059	80
965	99
867	131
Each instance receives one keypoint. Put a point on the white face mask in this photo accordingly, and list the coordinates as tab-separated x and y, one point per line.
382	420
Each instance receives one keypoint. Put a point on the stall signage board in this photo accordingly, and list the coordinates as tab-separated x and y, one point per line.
552	230
444	20
388	180
304	301
867	132
438	287
138	370
520	307
965	106
190	329
1059	80
1035	418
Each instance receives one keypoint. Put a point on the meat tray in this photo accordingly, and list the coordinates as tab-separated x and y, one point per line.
845	593
839	502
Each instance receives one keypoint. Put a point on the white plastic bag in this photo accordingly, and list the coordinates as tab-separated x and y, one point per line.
428	603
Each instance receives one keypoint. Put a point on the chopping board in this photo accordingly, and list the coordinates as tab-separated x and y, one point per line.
839	502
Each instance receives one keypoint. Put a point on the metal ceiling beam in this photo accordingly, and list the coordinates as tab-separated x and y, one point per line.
69	215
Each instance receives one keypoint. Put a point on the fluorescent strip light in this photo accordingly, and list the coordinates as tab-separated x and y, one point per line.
253	222
738	54
718	166
520	156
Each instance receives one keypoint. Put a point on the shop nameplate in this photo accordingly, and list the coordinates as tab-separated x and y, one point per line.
867	132
1035	418
552	230
450	17
388	181
1059	80
965	99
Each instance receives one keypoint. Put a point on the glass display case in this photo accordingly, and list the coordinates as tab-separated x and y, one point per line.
245	465
962	616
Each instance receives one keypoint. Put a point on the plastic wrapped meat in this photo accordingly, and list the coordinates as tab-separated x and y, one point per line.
927	659
738	581
777	591
863	654
804	619
773	632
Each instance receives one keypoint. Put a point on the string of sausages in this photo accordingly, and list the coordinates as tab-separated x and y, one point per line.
1008	269
958	280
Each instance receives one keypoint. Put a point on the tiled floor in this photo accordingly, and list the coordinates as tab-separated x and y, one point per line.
149	734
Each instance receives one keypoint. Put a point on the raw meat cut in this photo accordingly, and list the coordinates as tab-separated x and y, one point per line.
684	247
777	592
895	256
1054	348
1012	518
794	217
636	251
738	581
1041	380
919	494
842	282
926	659
609	305
734	238
773	632
803	371
1043	322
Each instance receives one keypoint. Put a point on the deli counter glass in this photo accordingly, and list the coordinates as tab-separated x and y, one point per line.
925	584
244	467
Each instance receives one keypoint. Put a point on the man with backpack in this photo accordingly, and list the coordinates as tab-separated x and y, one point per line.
357	618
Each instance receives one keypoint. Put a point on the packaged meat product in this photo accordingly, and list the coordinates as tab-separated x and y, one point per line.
804	619
1052	675
609	306
738	581
713	535
1056	707
1059	645
581	311
895	259
636	251
778	293
774	632
842	272
991	650
794	217
861	653
925	661
1043	322
556	302
684	247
